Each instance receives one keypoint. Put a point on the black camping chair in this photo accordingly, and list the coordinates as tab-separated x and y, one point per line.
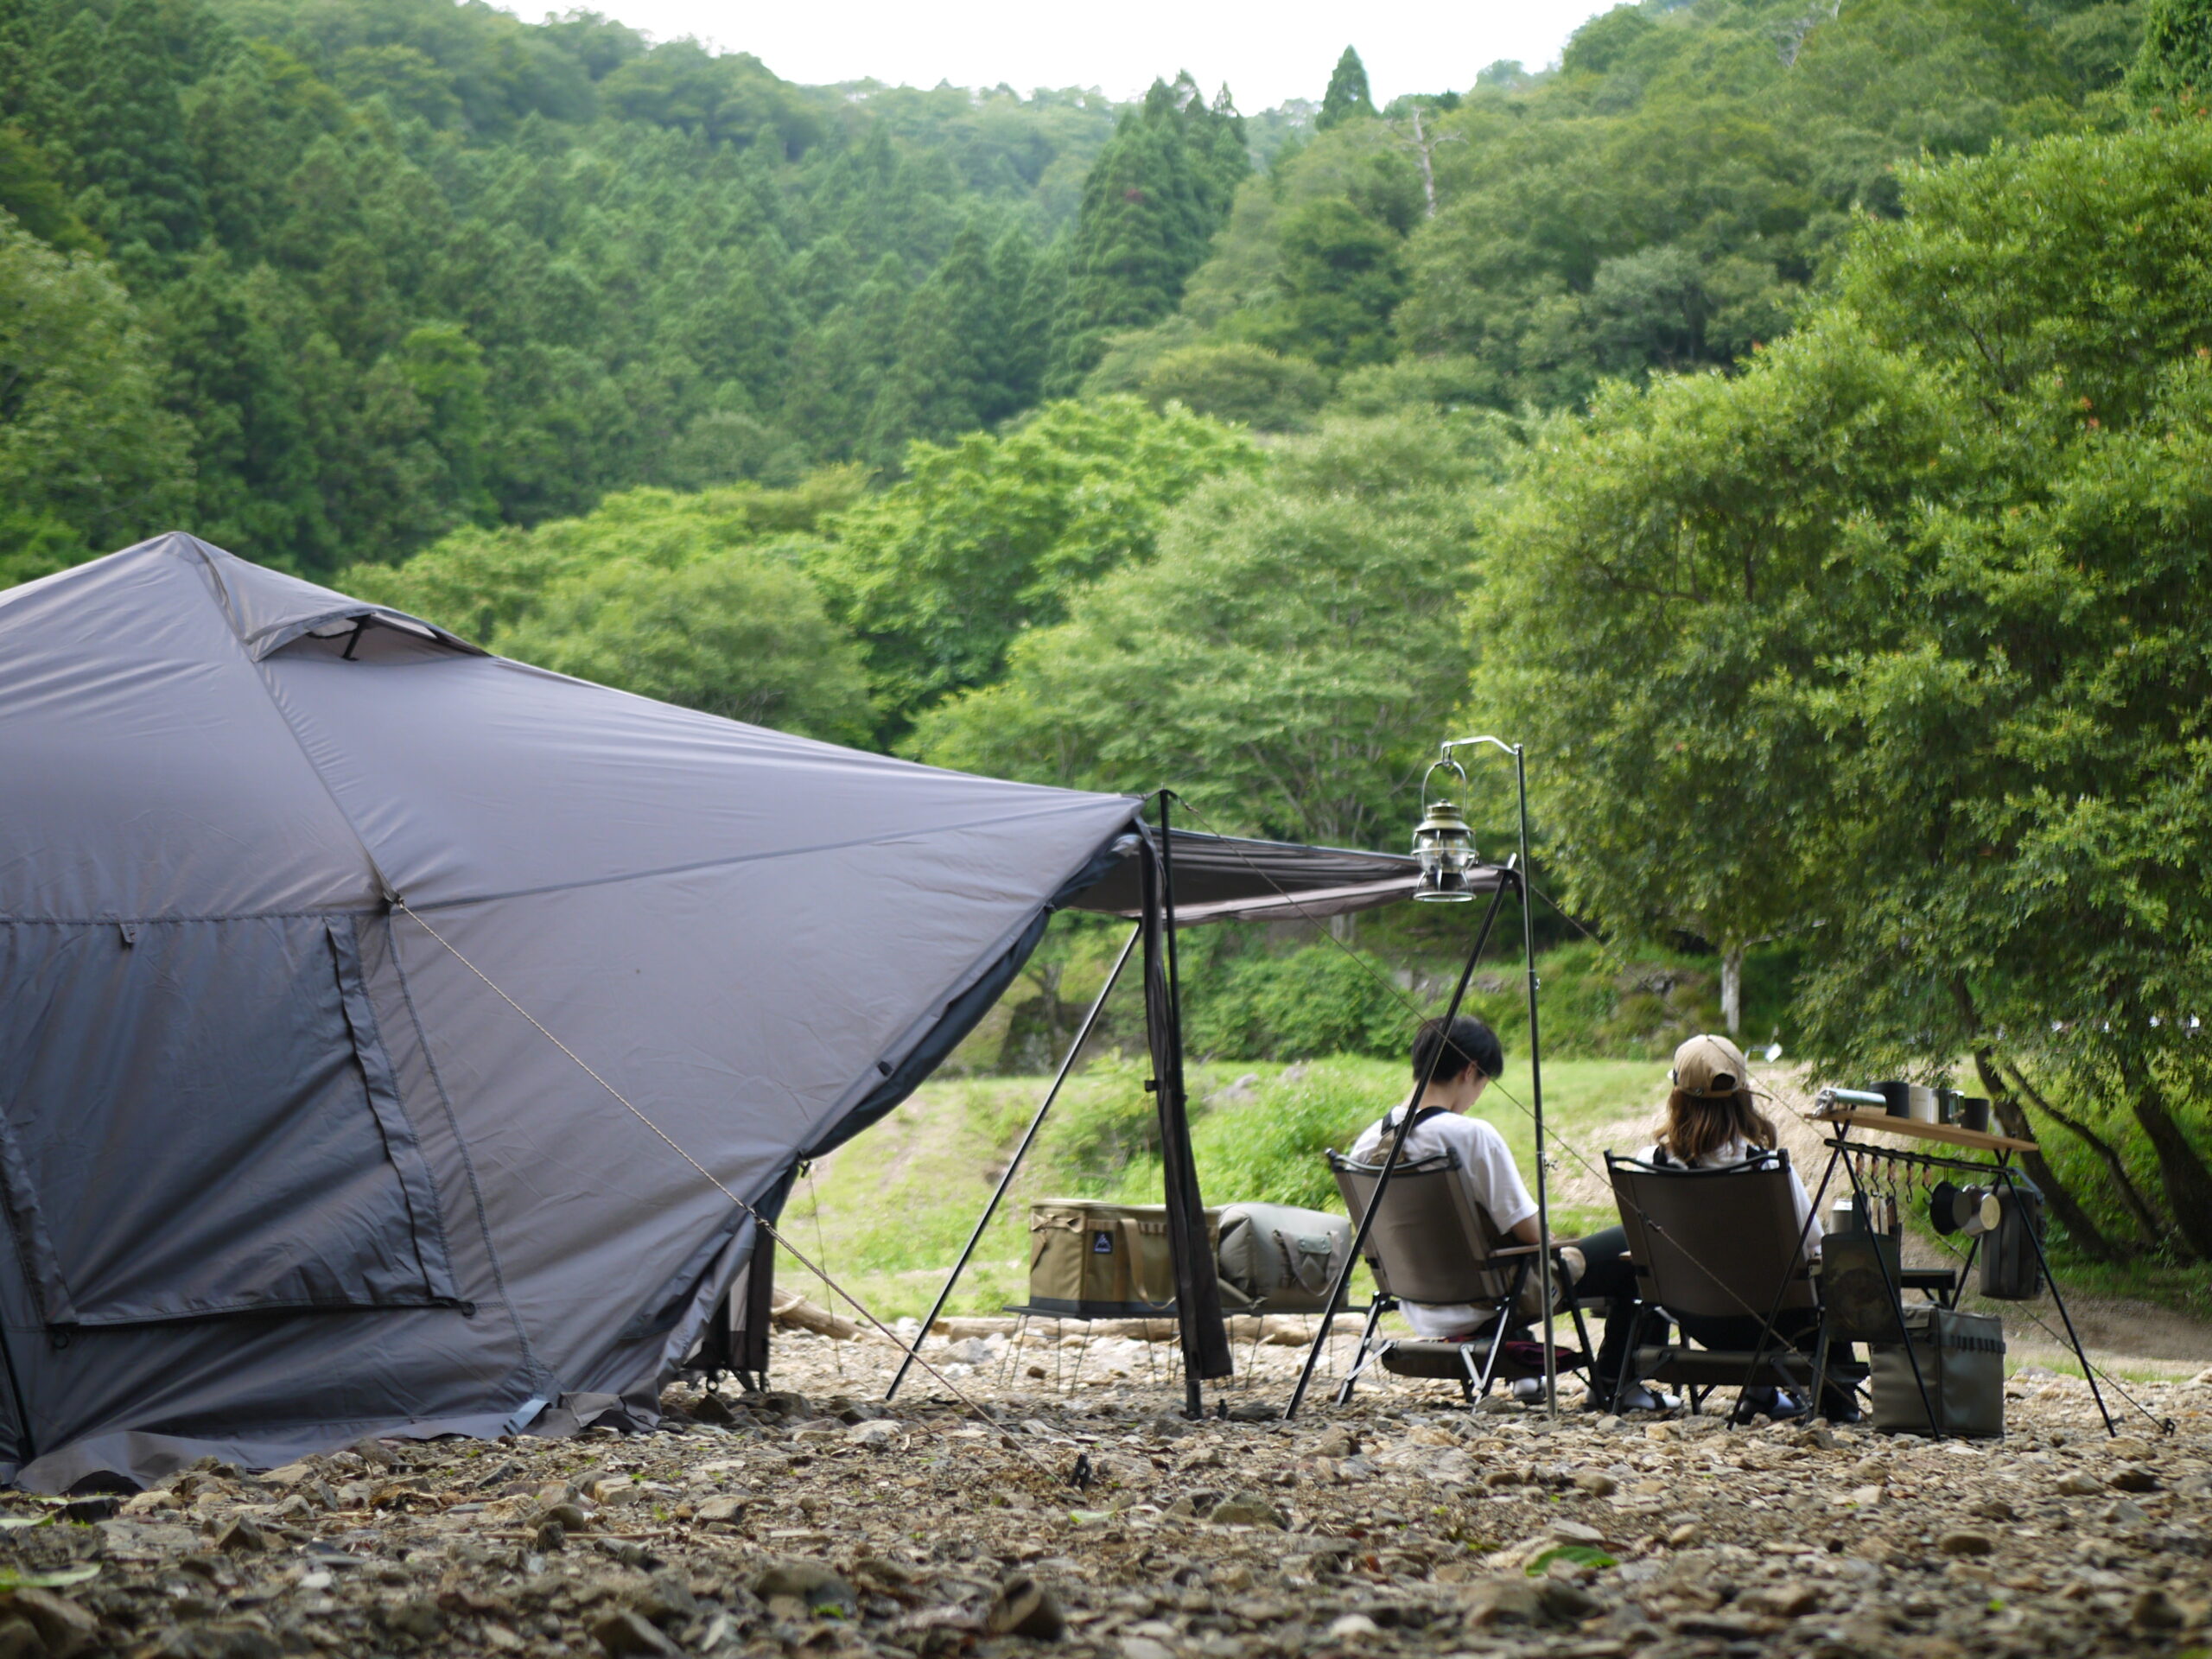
1432	1243
1718	1245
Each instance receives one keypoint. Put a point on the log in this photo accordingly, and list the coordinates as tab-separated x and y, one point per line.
796	1312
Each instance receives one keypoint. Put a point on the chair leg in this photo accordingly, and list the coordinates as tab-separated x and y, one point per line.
1366	1348
1626	1375
1499	1321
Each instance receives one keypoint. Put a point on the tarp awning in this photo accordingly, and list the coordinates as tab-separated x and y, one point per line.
1229	878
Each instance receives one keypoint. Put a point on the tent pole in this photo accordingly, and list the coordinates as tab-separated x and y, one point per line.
1198	1292
1536	1094
1383	1181
1014	1165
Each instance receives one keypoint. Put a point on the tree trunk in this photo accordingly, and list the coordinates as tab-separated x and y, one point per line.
1731	989
2080	1226
2181	1171
2149	1228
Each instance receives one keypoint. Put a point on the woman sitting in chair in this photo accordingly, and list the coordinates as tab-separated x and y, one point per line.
1714	1123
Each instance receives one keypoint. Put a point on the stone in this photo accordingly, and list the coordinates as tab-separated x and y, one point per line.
2132	1477
814	1586
1337	1442
720	1511
1504	1602
2154	1610
551	1537
1248	1510
1792	1598
1964	1543
1596	1482
65	1628
622	1631
876	1436
1143	1647
241	1536
2074	1484
417	1617
19	1639
1024	1608
218	1638
1348	1626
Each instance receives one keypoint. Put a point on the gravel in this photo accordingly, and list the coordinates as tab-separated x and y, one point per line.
813	1520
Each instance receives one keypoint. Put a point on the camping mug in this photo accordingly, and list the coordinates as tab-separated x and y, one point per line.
1898	1095
1974	1114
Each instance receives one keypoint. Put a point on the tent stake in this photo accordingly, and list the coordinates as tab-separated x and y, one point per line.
1067	1065
1397	1146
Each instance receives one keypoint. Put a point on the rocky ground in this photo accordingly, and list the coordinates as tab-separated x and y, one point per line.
810	1519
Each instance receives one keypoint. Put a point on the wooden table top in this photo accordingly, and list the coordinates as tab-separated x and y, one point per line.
1913	1129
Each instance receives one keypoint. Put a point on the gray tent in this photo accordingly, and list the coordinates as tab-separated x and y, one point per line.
312	918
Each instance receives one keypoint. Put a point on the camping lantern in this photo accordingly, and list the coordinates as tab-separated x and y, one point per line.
1444	843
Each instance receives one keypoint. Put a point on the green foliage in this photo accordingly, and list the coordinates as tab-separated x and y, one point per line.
1671	197
1885	638
1248	384
88	457
1151	205
2175	59
419	266
1347	98
739	633
1289	658
1311	1003
991	535
482	583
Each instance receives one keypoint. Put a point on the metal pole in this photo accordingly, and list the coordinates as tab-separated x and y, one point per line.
1536	1095
1397	1146
1067	1065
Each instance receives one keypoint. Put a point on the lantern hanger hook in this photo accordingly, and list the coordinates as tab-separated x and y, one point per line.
1444	763
1446	747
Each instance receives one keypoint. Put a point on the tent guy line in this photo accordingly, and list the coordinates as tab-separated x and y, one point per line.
760	1220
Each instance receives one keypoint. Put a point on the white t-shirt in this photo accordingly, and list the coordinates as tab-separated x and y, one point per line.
1740	1151
1485	1165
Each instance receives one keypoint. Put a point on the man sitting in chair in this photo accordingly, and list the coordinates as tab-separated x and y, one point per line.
1471	1056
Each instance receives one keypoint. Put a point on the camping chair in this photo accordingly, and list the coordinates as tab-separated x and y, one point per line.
1717	1243
1432	1243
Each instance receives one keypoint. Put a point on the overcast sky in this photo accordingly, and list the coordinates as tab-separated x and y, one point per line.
1266	53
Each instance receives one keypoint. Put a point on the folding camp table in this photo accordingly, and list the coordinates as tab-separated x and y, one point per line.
1842	1114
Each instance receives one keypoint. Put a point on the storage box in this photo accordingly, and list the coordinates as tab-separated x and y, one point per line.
1961	1364
1090	1260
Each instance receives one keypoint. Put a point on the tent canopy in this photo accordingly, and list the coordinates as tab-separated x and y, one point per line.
284	1167
301	901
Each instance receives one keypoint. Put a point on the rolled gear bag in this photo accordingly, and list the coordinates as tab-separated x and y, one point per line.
1090	1260
1275	1258
1963	1365
2011	1265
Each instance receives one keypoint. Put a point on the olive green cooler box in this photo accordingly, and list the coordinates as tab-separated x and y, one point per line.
1963	1365
1091	1261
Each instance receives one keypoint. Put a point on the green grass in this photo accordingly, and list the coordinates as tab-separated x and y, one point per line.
890	1211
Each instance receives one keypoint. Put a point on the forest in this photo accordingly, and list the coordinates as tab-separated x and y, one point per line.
1789	418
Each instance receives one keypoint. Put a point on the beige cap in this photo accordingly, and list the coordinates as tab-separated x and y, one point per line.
1708	1067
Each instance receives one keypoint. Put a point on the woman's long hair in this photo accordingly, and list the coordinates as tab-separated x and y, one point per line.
1697	1125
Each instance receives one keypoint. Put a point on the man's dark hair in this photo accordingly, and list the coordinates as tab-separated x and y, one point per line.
1467	1042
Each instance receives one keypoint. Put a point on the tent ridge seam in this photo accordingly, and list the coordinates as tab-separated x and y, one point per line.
733	860
254	666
